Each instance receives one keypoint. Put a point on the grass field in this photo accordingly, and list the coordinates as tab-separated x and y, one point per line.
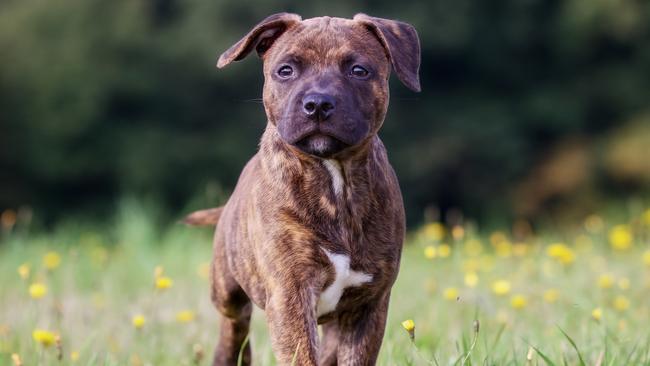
134	296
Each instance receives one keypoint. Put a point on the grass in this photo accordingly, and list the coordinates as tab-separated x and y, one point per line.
476	300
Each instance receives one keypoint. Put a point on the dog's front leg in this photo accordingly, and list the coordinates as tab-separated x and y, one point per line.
291	315
361	334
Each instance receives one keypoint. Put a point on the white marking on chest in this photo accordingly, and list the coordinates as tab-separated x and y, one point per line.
343	277
336	173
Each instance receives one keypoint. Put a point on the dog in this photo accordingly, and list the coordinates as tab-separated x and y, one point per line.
313	231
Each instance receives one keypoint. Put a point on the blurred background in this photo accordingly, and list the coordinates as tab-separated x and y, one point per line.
530	109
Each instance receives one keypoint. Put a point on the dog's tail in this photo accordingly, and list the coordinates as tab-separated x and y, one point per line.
207	217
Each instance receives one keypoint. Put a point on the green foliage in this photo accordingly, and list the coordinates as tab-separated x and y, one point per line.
100	99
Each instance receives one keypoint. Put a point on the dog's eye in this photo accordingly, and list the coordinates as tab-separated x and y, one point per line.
359	72
285	71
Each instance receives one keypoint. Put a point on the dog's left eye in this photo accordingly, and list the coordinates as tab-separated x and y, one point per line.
285	71
359	71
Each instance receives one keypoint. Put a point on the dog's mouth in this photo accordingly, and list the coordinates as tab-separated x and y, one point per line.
320	145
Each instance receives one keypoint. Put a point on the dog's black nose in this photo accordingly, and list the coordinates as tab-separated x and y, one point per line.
319	106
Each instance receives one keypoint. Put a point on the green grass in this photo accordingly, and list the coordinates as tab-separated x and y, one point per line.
103	280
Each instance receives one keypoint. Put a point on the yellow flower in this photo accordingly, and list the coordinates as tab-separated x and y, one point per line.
163	283
624	283
620	237
44	337
551	295
594	224
621	303
23	271
497	236
203	270
185	316
646	257
435	231
37	290
409	326
518	302
503	248
597	314
444	250
457	232
430	252
450	293
646	217
606	281
138	321
471	279
51	260
74	356
501	287
561	253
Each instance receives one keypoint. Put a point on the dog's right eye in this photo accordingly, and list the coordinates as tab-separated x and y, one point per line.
285	71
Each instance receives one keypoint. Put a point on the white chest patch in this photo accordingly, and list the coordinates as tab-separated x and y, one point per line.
343	277
336	172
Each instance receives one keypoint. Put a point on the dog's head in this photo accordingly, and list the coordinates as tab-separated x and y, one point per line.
326	79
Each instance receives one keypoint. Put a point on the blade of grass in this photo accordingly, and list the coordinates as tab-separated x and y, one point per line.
240	357
573	344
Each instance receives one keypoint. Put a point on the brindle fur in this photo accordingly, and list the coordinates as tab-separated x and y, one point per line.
284	209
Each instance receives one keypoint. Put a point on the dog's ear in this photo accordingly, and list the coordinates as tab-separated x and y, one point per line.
402	46
260	38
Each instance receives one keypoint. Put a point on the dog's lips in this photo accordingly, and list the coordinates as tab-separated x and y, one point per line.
320	144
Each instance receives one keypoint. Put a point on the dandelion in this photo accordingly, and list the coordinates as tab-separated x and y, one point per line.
51	260
503	249
646	257
471	279
561	253
597	314
620	237
606	281
450	293
44	337
37	290
163	283
409	326
435	231
185	316
518	302
430	252
551	295
501	287
444	250
138	321
621	303
74	356
24	270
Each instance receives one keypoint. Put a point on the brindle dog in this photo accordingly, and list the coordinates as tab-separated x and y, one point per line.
313	231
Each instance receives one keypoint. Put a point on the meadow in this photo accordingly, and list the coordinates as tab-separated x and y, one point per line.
133	294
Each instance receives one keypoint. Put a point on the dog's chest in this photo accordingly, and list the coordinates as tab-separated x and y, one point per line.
344	277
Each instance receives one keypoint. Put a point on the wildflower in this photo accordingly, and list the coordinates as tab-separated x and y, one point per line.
74	356
185	316
435	231
23	271
430	252
138	321
621	303
471	279
624	283
620	237
646	257
163	283
450	293
51	260
409	326
594	224
44	337
605	281
597	314
518	302
16	359
457	232
551	295
503	249
37	290
561	253
203	270
501	287
444	250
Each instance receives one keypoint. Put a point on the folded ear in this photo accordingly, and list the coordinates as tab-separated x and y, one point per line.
402	46
260	38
